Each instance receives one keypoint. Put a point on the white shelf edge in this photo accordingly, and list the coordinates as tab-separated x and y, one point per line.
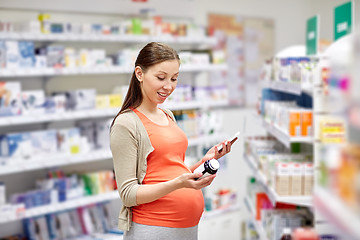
282	136
6	121
106	38
306	201
337	212
54	117
60	160
32	72
70	204
258	227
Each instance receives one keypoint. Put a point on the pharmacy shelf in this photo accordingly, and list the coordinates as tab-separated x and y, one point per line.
106	38
305	201
63	206
337	212
288	87
56	117
43	162
283	136
257	224
98	113
33	72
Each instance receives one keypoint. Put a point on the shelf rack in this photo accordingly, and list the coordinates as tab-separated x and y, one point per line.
305	201
257	224
63	206
282	136
105	38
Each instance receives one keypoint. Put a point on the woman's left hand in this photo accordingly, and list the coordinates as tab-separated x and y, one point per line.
214	152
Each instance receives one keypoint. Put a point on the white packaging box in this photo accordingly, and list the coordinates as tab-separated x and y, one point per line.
296	178
88	130
69	141
85	99
16	147
26	54
282	179
10	98
2	55
103	134
12	54
33	102
44	143
308	179
55	56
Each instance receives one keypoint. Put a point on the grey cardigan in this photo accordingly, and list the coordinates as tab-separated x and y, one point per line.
130	145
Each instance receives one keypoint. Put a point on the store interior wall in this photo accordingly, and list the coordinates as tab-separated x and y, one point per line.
290	19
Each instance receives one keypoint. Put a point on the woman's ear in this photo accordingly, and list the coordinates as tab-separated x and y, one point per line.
139	73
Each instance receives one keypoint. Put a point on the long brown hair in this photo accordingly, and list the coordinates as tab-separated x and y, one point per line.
153	53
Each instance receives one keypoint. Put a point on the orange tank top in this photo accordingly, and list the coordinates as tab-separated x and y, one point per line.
181	208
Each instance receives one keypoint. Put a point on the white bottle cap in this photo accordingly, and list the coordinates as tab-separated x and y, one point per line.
286	230
214	164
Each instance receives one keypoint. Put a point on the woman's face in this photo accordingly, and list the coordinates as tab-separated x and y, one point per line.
159	81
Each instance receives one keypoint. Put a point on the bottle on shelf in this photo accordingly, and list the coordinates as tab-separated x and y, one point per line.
286	235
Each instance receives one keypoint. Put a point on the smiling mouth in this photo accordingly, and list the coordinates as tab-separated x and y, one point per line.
163	94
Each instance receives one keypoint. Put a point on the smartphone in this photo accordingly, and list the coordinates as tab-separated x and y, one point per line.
231	140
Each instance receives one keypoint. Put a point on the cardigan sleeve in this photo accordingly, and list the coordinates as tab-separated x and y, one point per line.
124	147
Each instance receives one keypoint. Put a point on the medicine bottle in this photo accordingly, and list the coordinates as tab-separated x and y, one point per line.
208	168
286	235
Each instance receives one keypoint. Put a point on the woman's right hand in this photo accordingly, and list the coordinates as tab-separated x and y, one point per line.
187	180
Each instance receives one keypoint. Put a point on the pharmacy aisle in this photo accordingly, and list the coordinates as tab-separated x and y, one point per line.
56	174
280	191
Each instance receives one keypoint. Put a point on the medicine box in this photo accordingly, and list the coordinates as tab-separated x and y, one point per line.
26	54
16	146
10	98
85	98
103	134
44	143
33	102
68	141
12	54
102	101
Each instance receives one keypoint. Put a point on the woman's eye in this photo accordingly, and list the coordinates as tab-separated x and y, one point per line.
160	78
174	79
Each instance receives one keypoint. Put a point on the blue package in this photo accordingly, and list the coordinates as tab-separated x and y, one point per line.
26	54
16	146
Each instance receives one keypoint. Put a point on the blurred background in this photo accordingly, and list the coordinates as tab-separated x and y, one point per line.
282	72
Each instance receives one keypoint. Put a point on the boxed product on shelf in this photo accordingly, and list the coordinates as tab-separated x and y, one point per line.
15	147
44	142
55	56
84	98
69	141
26	54
10	98
33	102
102	101
88	130
12	55
71	58
103	133
115	100
36	228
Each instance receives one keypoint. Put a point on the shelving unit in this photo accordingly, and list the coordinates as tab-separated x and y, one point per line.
63	206
52	72
257	224
305	201
106	38
282	136
44	162
96	113
288	87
